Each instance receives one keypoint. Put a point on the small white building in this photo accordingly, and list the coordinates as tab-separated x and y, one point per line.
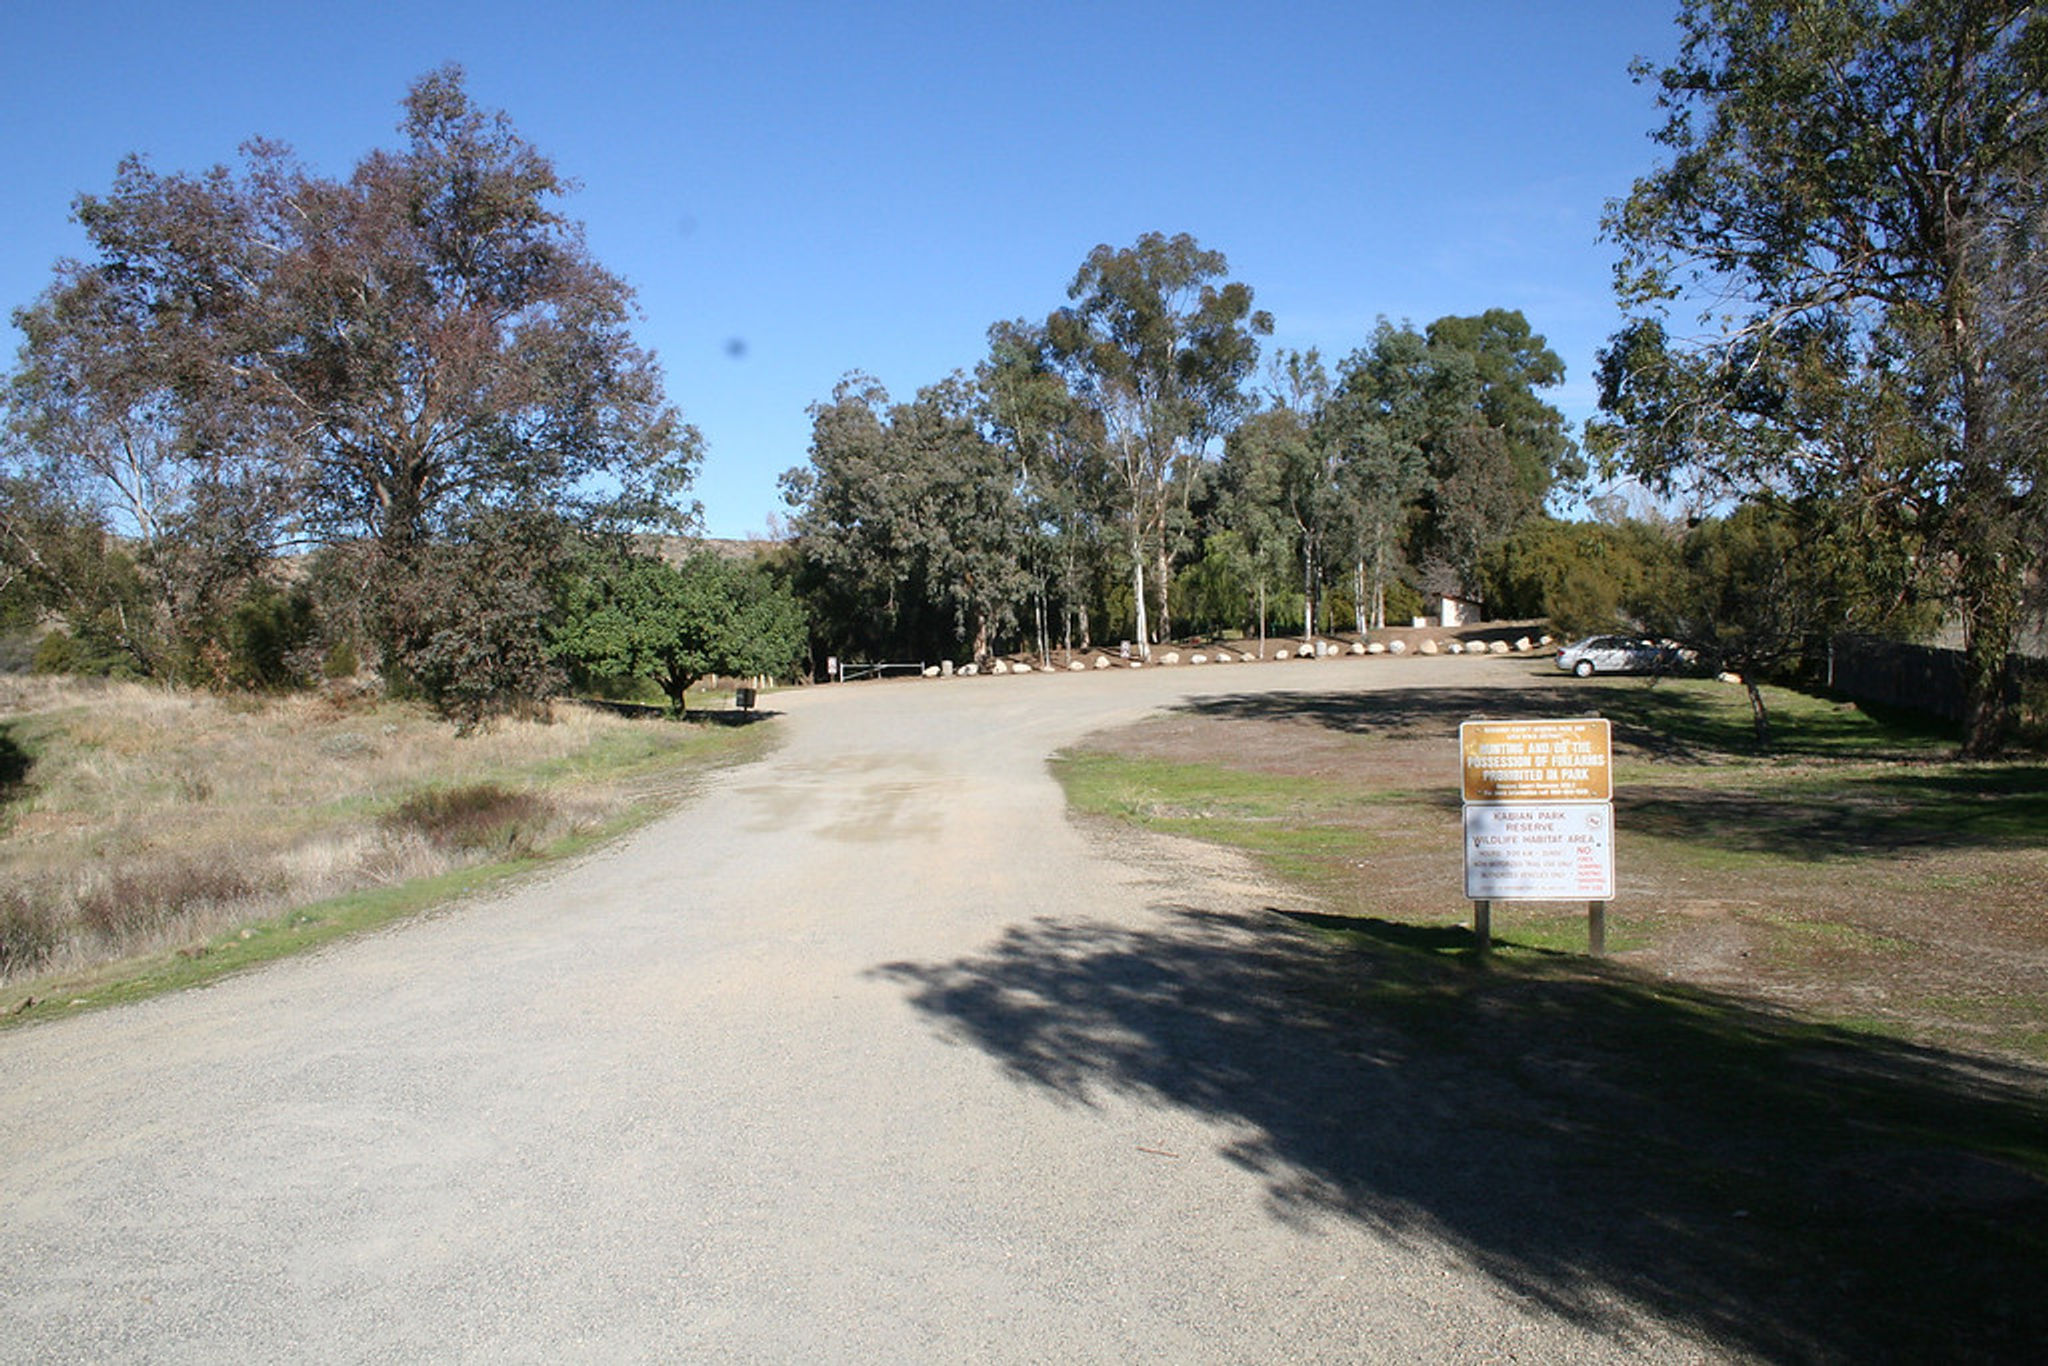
1455	611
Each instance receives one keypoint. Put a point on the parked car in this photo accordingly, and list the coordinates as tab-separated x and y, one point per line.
1617	655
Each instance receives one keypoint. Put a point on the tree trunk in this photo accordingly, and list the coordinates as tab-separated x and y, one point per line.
1165	577
1759	718
1990	625
1379	584
1308	592
1138	596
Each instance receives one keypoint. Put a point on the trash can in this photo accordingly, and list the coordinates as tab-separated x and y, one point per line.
743	698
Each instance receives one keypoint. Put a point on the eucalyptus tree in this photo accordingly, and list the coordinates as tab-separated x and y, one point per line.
1382	416
1496	450
1253	508
1055	442
1160	350
1291	452
1511	362
910	521
101	438
1835	174
404	358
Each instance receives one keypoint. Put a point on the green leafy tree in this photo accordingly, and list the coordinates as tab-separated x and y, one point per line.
1495	450
54	561
1387	404
1740	596
1055	445
1510	364
910	521
1586	577
1289	453
1160	350
674	624
1253	506
1837	174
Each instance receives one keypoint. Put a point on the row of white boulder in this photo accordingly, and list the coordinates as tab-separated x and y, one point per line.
1320	649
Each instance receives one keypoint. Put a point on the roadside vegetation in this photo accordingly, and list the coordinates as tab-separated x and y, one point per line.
154	837
277	426
1855	872
1802	1106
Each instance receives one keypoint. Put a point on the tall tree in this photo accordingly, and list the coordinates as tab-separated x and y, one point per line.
1055	444
1495	450
1291	452
1160	349
413	351
1836	170
1386	406
1510	363
910	519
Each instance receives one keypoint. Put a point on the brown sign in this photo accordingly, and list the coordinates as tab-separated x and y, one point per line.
1537	761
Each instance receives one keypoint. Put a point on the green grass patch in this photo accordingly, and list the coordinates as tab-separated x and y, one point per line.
1158	790
1305	831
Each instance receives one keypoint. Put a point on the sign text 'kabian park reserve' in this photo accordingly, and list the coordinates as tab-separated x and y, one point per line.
1539	815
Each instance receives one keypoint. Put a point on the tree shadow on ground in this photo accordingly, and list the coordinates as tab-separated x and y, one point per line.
15	763
1649	717
1610	1147
1853	816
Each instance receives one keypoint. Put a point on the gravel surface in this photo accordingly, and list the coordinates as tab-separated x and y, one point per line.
732	1091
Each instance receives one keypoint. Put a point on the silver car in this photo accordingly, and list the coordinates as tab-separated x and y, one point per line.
1616	655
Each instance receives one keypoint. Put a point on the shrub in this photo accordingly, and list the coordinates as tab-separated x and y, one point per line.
482	817
139	898
269	633
28	932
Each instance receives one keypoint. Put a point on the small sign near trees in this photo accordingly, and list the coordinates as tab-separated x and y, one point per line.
1539	817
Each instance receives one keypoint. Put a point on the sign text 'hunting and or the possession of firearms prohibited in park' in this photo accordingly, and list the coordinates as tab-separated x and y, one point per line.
1537	761
1539	815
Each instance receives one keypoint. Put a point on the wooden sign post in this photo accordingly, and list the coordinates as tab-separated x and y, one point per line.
1539	818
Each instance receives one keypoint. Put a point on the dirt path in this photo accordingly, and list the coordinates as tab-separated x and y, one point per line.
695	1099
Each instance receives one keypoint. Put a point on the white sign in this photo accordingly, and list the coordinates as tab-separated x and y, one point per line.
1539	852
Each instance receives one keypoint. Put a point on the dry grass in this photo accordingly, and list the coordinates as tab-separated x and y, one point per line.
146	819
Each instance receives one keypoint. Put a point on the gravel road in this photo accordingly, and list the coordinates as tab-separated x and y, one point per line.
753	1085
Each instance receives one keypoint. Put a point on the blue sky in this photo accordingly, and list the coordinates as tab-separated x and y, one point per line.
798	190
